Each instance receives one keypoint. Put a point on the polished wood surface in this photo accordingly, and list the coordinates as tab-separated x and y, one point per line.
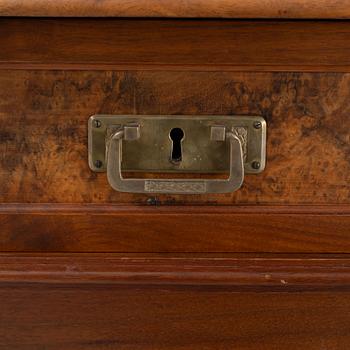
85	267
43	144
240	272
175	45
74	317
177	8
73	228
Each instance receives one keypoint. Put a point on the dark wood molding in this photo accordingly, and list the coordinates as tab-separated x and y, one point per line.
177	8
154	209
95	228
173	67
127	44
258	273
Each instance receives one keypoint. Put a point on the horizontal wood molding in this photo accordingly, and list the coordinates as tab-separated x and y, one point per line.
173	67
178	8
285	274
205	45
94	228
112	209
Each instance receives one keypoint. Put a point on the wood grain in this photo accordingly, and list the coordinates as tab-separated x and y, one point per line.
74	317
61	228
175	44
283	274
187	292
43	139
177	8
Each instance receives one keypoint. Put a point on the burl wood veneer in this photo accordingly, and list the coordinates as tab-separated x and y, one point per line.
43	148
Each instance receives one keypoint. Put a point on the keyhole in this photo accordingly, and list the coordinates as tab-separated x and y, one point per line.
176	136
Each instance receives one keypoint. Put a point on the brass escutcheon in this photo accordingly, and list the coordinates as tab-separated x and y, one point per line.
177	144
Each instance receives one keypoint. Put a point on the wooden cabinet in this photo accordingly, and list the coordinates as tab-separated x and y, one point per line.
83	266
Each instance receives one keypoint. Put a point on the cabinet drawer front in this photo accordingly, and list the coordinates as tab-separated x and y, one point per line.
43	118
55	74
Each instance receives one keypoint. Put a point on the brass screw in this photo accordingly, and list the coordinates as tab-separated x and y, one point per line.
257	125
256	165
98	163
152	201
97	123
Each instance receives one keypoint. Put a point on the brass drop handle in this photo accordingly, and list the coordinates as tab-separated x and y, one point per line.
182	186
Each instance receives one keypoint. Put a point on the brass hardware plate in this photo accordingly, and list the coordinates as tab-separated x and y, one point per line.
151	152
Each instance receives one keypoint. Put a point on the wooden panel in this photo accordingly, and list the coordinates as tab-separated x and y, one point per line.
159	301
177	8
240	273
43	139
170	44
59	228
109	316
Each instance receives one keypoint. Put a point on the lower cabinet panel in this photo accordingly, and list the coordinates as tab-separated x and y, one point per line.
164	301
68	316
